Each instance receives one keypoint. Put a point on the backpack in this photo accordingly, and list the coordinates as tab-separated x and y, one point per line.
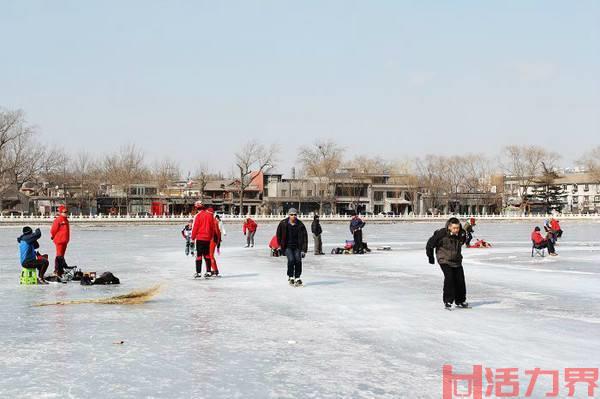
106	278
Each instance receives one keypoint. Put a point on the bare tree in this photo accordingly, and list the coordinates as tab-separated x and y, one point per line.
202	176
14	133
526	163
126	168
322	161
87	173
164	172
590	161
251	161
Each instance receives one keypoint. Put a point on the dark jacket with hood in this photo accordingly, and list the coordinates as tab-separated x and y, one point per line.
315	227
448	247
28	244
302	235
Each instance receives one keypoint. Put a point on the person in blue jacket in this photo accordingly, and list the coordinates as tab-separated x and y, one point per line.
30	258
356	226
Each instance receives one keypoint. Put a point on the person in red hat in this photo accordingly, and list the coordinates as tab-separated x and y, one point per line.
60	234
203	233
215	243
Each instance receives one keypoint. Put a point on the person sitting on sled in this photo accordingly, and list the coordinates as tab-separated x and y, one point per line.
539	242
481	244
274	246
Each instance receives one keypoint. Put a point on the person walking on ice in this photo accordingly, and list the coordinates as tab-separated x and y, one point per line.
293	240
468	228
356	226
249	230
317	230
215	245
187	236
60	233
203	232
447	244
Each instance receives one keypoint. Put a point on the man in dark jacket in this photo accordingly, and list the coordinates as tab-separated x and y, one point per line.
317	231
30	259
448	243
356	226
293	240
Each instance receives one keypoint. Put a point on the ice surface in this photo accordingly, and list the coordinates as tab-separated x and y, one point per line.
365	326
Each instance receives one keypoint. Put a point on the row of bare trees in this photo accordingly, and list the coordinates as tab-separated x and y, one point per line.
23	159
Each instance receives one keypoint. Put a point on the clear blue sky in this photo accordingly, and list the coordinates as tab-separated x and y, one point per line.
193	80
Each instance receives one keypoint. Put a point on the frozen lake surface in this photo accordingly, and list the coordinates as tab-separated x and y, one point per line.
365	326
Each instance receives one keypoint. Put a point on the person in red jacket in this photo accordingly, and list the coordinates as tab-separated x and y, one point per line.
203	232
275	247
540	242
555	226
60	233
215	243
249	229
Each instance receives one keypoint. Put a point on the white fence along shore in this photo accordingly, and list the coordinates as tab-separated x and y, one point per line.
124	219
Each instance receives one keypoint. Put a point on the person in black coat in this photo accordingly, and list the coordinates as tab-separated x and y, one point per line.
317	231
293	240
447	243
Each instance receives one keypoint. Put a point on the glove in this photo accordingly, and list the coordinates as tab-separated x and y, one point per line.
431	260
303	254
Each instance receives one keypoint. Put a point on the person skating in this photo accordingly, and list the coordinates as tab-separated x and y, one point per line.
539	242
30	258
215	244
187	236
468	228
60	234
249	230
447	243
202	233
317	230
221	225
293	240
356	226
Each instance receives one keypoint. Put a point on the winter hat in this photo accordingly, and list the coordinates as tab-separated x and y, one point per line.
198	204
292	211
537	228
472	221
27	230
62	209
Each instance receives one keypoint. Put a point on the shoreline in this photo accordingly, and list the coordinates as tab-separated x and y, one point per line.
176	220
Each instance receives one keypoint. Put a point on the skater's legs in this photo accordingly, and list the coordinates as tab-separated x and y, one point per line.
550	245
213	260
298	264
357	241
448	293
291	260
318	244
202	251
251	241
460	288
